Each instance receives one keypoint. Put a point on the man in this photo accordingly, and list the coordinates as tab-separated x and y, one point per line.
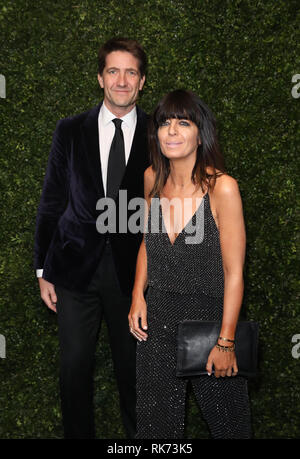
87	275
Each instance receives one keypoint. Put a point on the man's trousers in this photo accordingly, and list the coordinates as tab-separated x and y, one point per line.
79	320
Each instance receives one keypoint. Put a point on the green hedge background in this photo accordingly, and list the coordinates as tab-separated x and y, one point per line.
240	57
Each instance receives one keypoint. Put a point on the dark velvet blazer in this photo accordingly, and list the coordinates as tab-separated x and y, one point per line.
68	246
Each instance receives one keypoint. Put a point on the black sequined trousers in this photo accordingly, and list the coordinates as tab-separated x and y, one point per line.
161	395
186	282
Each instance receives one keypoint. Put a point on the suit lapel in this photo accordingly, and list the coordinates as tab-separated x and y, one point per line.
136	161
90	137
137	153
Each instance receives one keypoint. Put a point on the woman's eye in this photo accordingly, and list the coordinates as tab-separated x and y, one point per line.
184	123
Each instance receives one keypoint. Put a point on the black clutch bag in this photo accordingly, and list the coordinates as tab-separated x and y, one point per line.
196	338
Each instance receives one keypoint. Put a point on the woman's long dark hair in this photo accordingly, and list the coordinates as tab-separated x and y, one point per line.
182	104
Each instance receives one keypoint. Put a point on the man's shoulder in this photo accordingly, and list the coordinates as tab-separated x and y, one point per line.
141	111
142	116
73	122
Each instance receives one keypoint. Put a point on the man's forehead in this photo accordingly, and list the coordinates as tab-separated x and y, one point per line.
121	59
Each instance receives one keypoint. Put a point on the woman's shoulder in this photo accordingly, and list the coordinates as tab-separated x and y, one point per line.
149	176
225	198
149	180
225	185
149	173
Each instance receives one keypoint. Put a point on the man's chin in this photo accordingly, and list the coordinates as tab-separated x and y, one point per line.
126	104
123	103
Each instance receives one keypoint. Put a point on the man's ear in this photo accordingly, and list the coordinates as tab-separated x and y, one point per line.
142	82
100	80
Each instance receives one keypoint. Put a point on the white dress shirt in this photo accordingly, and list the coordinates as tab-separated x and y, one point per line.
107	132
106	129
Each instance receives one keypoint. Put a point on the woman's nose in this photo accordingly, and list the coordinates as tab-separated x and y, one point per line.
172	128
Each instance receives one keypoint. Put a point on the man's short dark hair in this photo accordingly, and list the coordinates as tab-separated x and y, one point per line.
122	44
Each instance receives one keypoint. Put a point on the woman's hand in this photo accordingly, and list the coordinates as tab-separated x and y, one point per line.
224	363
137	315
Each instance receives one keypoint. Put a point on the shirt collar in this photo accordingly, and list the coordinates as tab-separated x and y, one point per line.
106	116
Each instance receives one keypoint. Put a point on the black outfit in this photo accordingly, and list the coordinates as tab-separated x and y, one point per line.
79	320
93	273
185	281
68	246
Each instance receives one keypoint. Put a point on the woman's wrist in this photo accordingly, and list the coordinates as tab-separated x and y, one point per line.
225	341
225	344
137	294
223	348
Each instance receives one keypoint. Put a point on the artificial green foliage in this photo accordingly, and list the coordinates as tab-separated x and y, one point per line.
240	57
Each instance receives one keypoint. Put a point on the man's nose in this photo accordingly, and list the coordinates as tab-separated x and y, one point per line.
122	80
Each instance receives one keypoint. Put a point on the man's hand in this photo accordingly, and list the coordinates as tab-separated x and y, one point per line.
48	294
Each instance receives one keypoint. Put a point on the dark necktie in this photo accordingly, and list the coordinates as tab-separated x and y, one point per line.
116	161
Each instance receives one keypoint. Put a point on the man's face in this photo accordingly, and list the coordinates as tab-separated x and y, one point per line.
121	81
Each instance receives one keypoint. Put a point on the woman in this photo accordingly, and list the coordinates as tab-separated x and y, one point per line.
200	279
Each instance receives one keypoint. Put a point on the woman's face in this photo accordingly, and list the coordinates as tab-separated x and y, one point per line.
178	139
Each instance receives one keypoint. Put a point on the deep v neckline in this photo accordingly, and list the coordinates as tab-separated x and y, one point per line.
183	228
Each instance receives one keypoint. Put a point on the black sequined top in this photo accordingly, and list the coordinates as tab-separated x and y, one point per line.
193	263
